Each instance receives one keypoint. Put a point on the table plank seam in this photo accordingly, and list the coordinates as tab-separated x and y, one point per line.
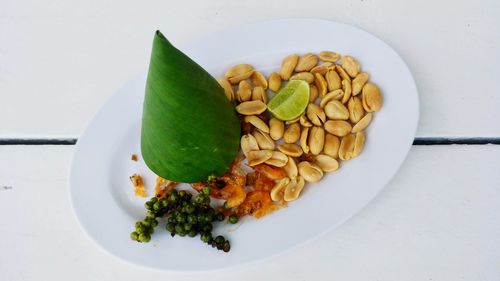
416	141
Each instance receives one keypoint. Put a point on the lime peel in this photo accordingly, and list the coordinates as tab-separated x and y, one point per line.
291	101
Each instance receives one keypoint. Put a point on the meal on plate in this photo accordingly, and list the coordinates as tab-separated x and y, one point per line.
249	141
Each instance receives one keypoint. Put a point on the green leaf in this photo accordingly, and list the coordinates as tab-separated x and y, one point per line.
189	129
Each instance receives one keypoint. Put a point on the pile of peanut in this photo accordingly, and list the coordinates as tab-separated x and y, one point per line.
331	128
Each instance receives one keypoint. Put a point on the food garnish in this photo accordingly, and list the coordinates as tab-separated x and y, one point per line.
189	129
185	214
319	113
293	127
139	188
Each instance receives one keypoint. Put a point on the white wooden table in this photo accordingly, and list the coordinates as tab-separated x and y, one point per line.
438	219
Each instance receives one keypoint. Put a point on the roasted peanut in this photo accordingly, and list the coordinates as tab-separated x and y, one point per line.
276	128
335	110
333	80
288	65
264	140
278	159
304	121
334	95
358	83
304	140
316	140
372	100
257	123
248	143
274	82
346	87
244	92
332	144
258	157
322	68
313	93
342	73
251	108
292	133
329	56
356	111
292	191
258	80
228	89
306	62
362	124
338	127
320	83
279	189
238	73
258	93
359	144
291	168
310	172
346	147
351	65
326	163
290	149
306	76
315	114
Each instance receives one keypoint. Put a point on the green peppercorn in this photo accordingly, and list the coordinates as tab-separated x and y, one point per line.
192	233
206	200
171	218
154	223
142	230
134	235
179	228
220	239
181	217
170	227
164	203
206	190
151	215
226	247
200	198
205	218
156	206
200	217
182	194
220	217
233	219
191	218
149	205
190	208
146	224
173	197
211	211
207	227
138	224
143	237
206	237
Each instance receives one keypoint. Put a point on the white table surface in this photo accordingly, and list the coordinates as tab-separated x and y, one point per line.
438	219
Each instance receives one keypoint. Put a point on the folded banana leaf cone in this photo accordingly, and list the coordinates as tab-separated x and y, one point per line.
190	131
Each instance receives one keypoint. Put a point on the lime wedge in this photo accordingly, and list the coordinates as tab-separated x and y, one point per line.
291	101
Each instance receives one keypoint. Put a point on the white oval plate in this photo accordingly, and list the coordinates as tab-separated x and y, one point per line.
102	194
